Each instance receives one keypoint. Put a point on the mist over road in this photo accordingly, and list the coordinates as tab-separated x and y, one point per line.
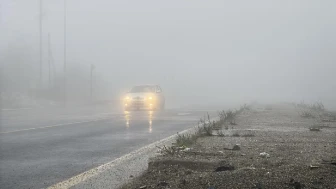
42	147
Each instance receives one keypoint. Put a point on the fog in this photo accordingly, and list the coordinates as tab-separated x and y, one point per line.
200	52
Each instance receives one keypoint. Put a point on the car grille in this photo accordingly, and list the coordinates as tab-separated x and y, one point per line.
138	98
138	101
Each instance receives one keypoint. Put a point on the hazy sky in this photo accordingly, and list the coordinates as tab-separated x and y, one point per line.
198	51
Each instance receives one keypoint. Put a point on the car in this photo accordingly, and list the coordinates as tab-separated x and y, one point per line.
144	97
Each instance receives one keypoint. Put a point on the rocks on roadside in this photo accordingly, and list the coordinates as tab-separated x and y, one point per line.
162	183
225	168
296	184
186	149
314	129
184	181
264	155
236	147
313	166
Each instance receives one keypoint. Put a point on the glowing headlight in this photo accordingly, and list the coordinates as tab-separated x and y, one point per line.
150	98
127	98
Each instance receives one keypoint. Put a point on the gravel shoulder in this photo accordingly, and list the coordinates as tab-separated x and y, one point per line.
270	147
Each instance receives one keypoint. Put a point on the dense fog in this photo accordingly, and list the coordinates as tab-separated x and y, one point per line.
200	52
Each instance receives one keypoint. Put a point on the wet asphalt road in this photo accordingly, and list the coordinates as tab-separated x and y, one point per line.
41	147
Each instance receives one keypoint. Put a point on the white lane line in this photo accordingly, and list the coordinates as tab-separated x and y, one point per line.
16	109
182	114
58	125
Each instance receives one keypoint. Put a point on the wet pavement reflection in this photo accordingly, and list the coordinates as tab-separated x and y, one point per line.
133	116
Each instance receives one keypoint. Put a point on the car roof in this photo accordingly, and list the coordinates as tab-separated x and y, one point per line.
146	85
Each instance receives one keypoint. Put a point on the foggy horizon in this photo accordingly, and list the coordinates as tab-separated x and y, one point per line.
219	52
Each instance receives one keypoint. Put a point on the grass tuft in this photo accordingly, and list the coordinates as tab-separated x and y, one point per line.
306	114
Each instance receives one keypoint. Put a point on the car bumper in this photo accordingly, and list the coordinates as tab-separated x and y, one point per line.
139	105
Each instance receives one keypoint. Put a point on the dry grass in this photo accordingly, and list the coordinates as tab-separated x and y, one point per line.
206	127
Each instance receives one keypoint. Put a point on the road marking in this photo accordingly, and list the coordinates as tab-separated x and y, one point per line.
58	125
151	148
16	109
107	166
182	114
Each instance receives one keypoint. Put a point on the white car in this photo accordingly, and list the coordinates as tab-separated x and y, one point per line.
144	97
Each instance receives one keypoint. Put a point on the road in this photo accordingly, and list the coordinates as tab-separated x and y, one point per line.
41	147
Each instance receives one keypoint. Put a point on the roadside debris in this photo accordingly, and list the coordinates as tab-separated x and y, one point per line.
258	185
236	147
264	155
186	150
224	168
162	183
143	187
296	184
313	166
314	129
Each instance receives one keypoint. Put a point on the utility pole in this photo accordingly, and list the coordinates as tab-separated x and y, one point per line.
91	86
40	80
65	63
49	60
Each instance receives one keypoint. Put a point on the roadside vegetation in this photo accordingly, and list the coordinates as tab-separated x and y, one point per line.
218	155
207	127
286	151
318	112
314	110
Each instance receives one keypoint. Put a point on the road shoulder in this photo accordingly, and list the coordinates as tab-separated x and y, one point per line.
271	147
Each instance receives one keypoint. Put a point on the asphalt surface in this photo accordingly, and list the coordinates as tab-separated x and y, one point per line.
41	147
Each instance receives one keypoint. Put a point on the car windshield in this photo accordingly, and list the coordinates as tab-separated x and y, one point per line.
143	89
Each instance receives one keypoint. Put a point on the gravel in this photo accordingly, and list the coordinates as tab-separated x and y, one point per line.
281	152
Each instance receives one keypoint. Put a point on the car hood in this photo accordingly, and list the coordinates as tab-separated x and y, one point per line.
142	95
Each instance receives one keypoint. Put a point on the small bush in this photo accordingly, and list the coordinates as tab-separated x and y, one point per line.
306	114
317	106
220	133
168	150
185	139
233	122
206	127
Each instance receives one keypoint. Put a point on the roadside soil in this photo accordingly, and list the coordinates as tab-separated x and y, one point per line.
270	147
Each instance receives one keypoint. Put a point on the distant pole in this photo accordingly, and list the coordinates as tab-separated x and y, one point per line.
49	59
40	80
65	63
91	86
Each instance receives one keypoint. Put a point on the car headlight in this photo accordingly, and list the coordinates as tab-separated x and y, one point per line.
150	98
127	98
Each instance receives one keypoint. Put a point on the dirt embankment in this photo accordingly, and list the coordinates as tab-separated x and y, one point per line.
270	147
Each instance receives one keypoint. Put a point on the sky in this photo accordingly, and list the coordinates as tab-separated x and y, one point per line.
200	52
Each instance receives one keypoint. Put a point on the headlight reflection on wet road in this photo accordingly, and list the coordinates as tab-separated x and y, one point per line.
127	118
149	117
